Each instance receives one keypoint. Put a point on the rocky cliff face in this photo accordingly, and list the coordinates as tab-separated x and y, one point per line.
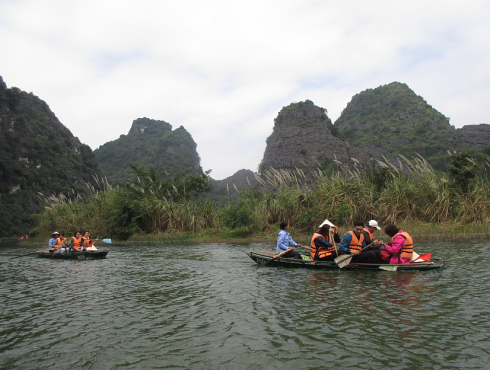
149	143
470	137
304	136
386	121
37	154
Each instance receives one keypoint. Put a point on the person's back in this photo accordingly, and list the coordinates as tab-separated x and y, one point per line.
284	241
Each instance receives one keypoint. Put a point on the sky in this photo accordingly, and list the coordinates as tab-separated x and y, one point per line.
224	69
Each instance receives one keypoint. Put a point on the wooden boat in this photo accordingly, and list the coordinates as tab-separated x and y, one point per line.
89	255
263	256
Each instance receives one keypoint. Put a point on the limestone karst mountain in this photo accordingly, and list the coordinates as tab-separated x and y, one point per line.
304	136
37	154
149	143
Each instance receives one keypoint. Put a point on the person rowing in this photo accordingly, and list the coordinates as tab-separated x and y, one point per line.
53	243
352	243
322	247
88	244
284	241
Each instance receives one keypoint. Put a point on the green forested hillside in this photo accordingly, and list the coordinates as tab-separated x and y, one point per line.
37	154
149	143
393	117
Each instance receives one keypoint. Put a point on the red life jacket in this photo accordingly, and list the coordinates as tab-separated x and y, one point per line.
322	251
355	244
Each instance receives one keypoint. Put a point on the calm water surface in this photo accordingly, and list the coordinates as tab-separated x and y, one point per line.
209	307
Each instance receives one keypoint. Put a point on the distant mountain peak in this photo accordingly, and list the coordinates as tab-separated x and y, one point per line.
141	124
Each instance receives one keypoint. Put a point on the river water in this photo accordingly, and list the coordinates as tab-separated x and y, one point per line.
209	307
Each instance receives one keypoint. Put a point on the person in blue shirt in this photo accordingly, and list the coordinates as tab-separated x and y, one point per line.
53	242
284	241
352	243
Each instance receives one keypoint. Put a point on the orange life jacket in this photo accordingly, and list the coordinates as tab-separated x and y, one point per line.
87	243
322	251
407	248
370	233
77	243
355	244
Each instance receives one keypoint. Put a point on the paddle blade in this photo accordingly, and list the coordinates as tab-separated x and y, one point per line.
389	268
108	241
343	260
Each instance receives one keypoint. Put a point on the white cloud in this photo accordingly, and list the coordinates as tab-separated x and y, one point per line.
223	69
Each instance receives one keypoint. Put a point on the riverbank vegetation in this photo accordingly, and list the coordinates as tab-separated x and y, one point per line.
148	208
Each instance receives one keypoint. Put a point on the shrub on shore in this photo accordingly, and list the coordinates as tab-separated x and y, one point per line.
408	191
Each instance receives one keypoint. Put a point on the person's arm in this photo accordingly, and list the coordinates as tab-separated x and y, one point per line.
282	242
344	246
336	237
72	245
291	241
367	238
396	245
320	242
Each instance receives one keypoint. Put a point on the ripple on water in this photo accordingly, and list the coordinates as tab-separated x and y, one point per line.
209	306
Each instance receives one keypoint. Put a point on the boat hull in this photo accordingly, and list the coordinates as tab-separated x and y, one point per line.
74	255
263	256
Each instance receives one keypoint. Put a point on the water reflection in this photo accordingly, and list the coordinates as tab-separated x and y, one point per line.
209	306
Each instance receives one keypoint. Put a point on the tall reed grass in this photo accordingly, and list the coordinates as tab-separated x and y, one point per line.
408	191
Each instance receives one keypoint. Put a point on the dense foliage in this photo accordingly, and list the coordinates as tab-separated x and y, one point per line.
37	154
387	194
149	143
146	203
394	117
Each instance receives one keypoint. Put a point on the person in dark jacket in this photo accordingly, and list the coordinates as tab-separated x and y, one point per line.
322	247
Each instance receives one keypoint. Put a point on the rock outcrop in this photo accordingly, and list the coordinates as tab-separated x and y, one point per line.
37	154
149	143
470	137
304	136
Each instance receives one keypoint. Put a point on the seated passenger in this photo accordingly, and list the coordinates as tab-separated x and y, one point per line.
76	244
53	242
88	244
368	233
322	248
284	240
352	243
400	250
62	245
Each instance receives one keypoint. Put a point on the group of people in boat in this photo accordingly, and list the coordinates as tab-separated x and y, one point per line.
359	242
78	243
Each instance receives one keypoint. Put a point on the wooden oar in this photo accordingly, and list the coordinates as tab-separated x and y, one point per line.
307	248
344	259
28	254
276	257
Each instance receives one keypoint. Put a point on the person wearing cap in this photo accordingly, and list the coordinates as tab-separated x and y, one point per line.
284	240
368	231
53	242
352	243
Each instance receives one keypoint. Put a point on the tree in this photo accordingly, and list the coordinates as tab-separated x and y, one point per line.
462	170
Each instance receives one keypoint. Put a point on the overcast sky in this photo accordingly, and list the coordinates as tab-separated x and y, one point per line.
224	69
